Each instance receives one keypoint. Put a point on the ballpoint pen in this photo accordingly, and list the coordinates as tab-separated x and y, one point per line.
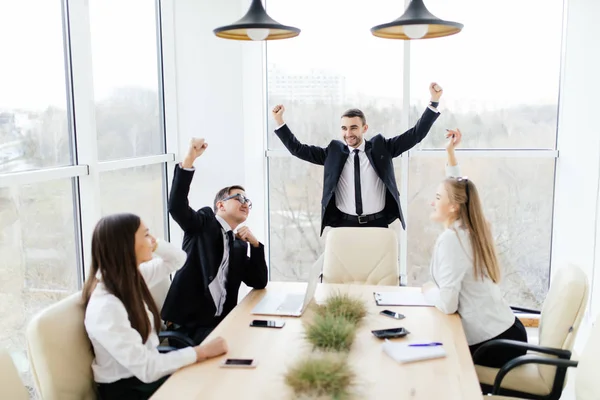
425	344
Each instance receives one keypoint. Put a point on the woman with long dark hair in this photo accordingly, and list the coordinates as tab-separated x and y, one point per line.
121	317
465	267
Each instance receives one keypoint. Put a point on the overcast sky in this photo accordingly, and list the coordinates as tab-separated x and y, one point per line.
508	52
32	70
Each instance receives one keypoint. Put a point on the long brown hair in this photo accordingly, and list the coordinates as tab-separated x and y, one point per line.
463	193
113	254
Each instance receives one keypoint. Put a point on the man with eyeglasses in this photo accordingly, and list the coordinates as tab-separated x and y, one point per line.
206	288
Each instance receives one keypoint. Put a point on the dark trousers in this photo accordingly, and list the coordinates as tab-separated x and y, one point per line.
496	357
129	389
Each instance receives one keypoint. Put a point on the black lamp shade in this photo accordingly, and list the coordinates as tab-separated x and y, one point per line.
256	25
416	23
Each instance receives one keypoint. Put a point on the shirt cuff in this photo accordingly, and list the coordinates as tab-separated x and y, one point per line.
432	296
453	171
280	126
186	169
435	110
188	356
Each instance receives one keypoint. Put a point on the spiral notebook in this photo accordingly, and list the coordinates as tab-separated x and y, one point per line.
404	298
405	353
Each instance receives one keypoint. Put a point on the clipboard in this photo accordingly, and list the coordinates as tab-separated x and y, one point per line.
406	298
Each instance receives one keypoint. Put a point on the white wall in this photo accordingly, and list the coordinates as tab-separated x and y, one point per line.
576	207
204	94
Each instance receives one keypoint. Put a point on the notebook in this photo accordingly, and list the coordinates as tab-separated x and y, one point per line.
404	298
403	353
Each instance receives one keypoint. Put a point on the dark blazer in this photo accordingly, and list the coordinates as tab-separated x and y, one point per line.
189	302
380	152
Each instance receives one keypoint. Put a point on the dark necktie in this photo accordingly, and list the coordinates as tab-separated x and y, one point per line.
357	196
230	242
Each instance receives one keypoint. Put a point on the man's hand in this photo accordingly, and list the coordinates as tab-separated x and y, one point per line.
454	137
197	147
277	112
246	235
436	91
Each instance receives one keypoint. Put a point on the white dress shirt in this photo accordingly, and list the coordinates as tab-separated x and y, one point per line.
372	189
217	287
118	348
484	312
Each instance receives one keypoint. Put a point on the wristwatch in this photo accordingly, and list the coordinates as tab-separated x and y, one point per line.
434	104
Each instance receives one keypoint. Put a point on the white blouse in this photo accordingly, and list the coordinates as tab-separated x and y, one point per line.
482	308
119	349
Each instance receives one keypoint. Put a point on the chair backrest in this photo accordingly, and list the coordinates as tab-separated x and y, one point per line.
562	313
60	352
367	256
587	384
11	386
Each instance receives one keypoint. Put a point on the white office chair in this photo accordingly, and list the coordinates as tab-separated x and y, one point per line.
364	256
587	384
561	316
11	386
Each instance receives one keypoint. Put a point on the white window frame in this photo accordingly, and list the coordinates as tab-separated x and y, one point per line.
86	169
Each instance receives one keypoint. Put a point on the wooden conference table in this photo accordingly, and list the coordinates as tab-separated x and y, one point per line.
379	377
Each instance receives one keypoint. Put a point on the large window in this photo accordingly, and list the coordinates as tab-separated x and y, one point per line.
505	107
81	136
34	130
332	66
136	190
125	63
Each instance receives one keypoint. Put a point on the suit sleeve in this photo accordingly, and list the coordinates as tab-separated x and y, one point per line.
312	154
179	208
255	272
406	141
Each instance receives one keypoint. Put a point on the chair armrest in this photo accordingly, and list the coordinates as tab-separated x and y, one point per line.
528	359
564	354
166	349
525	310
177	337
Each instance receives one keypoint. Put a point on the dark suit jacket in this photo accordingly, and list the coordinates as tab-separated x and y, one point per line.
380	152
189	302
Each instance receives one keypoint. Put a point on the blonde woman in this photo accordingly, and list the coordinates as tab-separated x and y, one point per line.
465	270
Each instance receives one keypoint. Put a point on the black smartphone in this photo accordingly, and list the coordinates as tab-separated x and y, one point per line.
390	333
392	314
239	363
267	323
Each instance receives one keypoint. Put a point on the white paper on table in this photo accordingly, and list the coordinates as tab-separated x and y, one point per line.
403	353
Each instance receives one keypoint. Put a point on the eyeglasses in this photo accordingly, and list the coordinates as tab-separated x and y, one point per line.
241	198
466	181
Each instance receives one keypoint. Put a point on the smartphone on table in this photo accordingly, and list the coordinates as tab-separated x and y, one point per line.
239	363
392	314
267	323
390	333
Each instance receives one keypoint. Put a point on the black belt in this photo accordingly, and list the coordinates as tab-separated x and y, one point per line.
363	219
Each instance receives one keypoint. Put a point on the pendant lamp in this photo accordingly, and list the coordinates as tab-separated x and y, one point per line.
416	23
256	25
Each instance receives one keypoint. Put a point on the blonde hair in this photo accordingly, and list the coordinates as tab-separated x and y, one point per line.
463	193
